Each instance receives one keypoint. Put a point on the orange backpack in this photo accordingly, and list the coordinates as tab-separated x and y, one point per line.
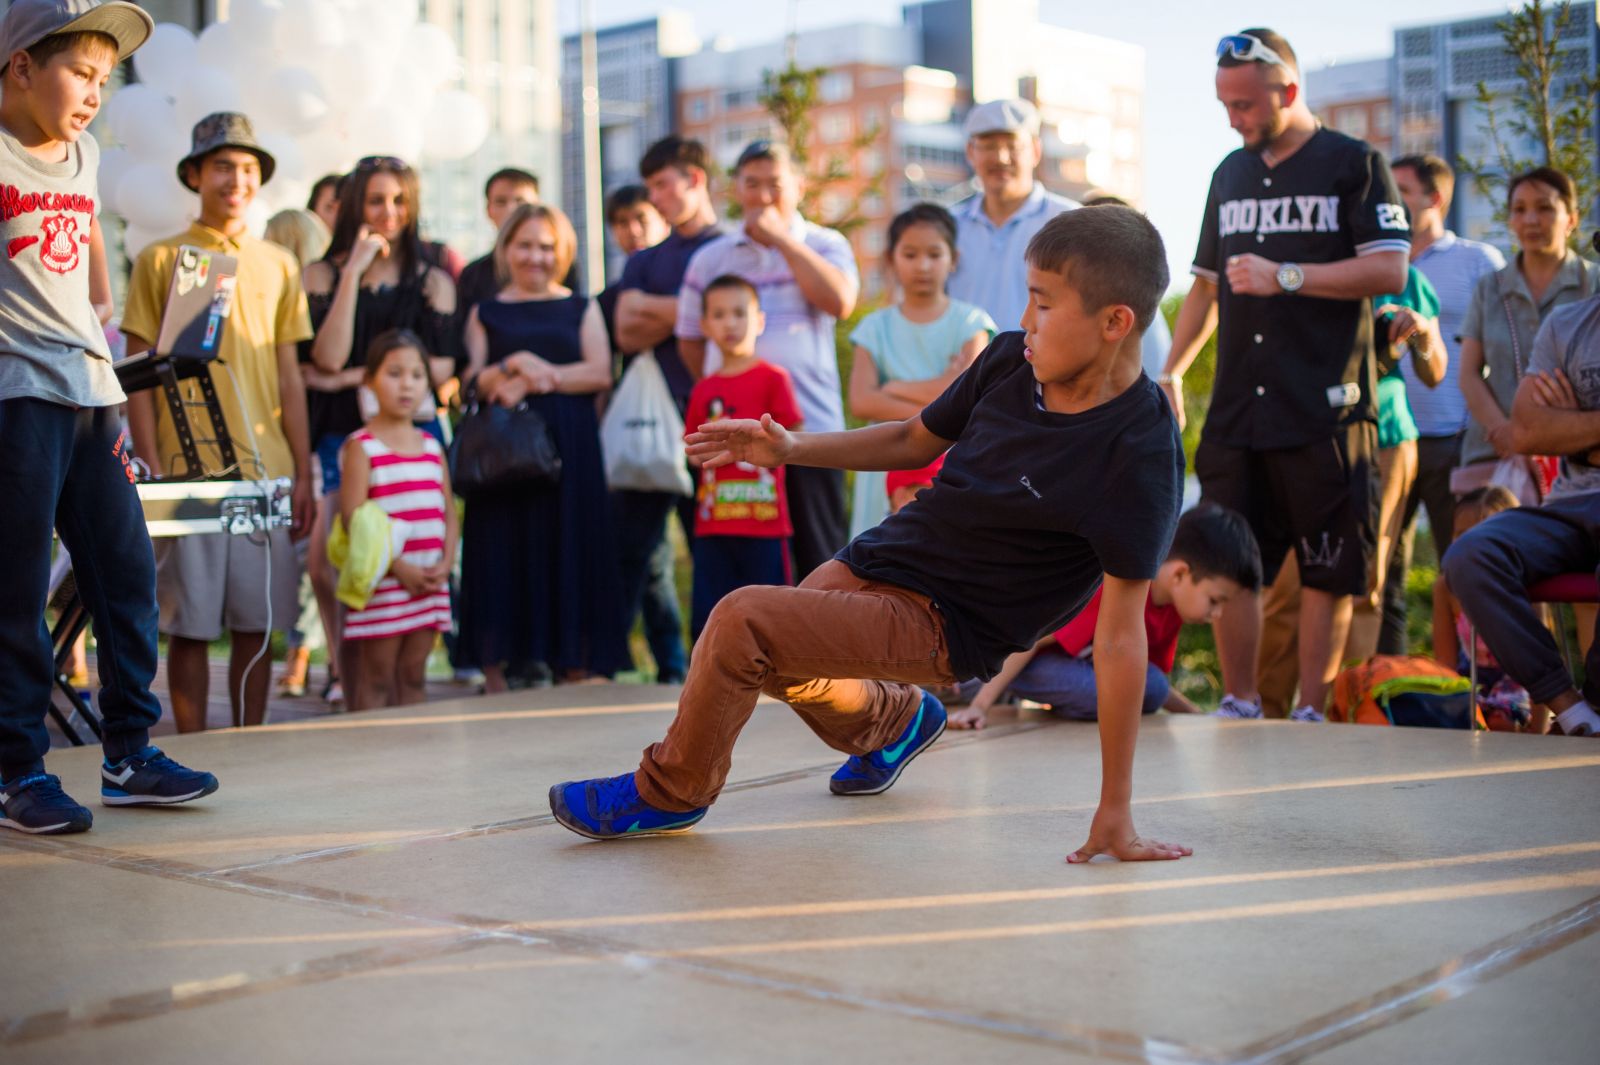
1404	690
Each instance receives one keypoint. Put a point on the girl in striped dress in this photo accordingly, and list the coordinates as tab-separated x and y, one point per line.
393	464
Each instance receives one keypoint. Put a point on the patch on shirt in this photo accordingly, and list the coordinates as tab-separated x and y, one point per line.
1345	395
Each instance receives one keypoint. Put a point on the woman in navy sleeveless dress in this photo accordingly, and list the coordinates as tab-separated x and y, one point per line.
539	576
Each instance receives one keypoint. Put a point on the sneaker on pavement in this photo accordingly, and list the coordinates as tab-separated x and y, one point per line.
1306	713
1233	708
150	778
875	773
36	804
611	808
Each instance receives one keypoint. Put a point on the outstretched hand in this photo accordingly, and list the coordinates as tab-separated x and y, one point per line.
759	443
1112	833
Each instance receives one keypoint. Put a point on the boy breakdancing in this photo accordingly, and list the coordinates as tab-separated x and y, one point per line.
1066	464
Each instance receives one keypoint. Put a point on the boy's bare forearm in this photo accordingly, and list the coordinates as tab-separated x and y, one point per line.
904	445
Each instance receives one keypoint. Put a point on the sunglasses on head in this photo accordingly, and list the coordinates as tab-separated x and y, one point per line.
380	162
1248	49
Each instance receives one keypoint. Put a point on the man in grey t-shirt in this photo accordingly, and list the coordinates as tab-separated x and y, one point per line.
1556	412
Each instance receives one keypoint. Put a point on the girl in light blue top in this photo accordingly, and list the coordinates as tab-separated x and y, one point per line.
908	353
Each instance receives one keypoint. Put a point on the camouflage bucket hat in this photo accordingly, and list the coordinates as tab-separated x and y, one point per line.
224	129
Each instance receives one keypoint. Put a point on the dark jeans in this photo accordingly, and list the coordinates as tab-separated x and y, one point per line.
1436	457
817	511
645	557
67	468
724	564
1490	568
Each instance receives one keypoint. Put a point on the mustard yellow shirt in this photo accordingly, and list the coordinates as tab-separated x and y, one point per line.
269	309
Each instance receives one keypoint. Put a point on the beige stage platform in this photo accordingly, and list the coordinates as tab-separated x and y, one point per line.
390	888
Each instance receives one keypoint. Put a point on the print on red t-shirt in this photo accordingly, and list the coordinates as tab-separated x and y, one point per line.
1161	626
740	499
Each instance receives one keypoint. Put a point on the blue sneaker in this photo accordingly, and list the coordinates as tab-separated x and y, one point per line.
872	774
150	778
610	808
36	804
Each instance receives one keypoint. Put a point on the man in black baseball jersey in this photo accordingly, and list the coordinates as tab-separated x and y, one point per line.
1303	226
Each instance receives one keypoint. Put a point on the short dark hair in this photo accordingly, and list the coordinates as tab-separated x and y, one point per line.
41	52
1217	542
326	181
729	283
673	150
515	175
1106	199
769	150
1272	39
923	214
391	340
1109	255
1546	175
623	197
1433	174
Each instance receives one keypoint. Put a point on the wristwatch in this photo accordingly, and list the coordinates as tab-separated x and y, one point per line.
1290	277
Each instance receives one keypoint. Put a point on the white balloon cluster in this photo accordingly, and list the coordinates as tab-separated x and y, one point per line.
324	82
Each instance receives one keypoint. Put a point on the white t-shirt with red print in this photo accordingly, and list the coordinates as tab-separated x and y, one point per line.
51	344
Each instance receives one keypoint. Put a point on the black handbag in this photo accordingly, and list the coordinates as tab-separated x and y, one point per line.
499	447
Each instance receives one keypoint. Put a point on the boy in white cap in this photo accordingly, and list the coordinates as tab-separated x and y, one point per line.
993	229
67	458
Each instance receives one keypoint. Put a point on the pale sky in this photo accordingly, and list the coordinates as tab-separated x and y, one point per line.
1186	133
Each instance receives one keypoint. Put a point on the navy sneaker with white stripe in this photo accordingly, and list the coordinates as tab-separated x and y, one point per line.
150	778
36	804
872	774
612	808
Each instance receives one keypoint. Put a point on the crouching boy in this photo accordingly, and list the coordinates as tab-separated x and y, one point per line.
1066	464
1213	558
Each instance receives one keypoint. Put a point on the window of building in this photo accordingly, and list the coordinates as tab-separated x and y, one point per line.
1381	122
699	108
1351	120
741	100
871	161
872	238
836	87
834	127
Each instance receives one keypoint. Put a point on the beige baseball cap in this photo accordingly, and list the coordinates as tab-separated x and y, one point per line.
27	22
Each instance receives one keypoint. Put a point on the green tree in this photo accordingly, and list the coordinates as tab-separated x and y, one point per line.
1552	107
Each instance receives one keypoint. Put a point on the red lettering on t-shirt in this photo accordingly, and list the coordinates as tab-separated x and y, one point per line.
13	201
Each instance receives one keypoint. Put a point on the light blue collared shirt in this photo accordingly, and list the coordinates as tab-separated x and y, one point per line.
991	271
798	337
1452	266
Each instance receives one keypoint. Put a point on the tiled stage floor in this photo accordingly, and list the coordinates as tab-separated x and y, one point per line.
390	887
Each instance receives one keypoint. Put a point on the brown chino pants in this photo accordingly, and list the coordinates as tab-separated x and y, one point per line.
846	654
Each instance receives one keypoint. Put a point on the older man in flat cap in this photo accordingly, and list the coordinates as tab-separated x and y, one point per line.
993	230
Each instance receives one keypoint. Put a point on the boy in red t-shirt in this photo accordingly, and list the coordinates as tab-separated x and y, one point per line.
1213	558
741	517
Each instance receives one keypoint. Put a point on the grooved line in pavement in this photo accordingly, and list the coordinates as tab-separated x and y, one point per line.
517	824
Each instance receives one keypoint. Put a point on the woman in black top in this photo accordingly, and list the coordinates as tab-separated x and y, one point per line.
373	278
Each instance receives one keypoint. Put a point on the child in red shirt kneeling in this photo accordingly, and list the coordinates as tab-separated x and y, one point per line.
741	518
1213	557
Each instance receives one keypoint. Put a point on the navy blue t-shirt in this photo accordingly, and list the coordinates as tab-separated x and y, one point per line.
1030	508
658	271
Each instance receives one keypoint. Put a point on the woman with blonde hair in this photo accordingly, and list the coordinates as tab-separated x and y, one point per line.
302	232
540	585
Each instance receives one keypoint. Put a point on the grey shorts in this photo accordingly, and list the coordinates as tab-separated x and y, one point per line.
215	582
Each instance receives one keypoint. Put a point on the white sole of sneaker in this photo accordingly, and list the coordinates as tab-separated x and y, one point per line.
47	830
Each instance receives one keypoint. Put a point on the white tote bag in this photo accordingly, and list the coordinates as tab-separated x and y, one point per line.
642	434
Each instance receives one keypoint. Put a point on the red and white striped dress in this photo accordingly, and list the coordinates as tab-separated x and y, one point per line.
410	488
